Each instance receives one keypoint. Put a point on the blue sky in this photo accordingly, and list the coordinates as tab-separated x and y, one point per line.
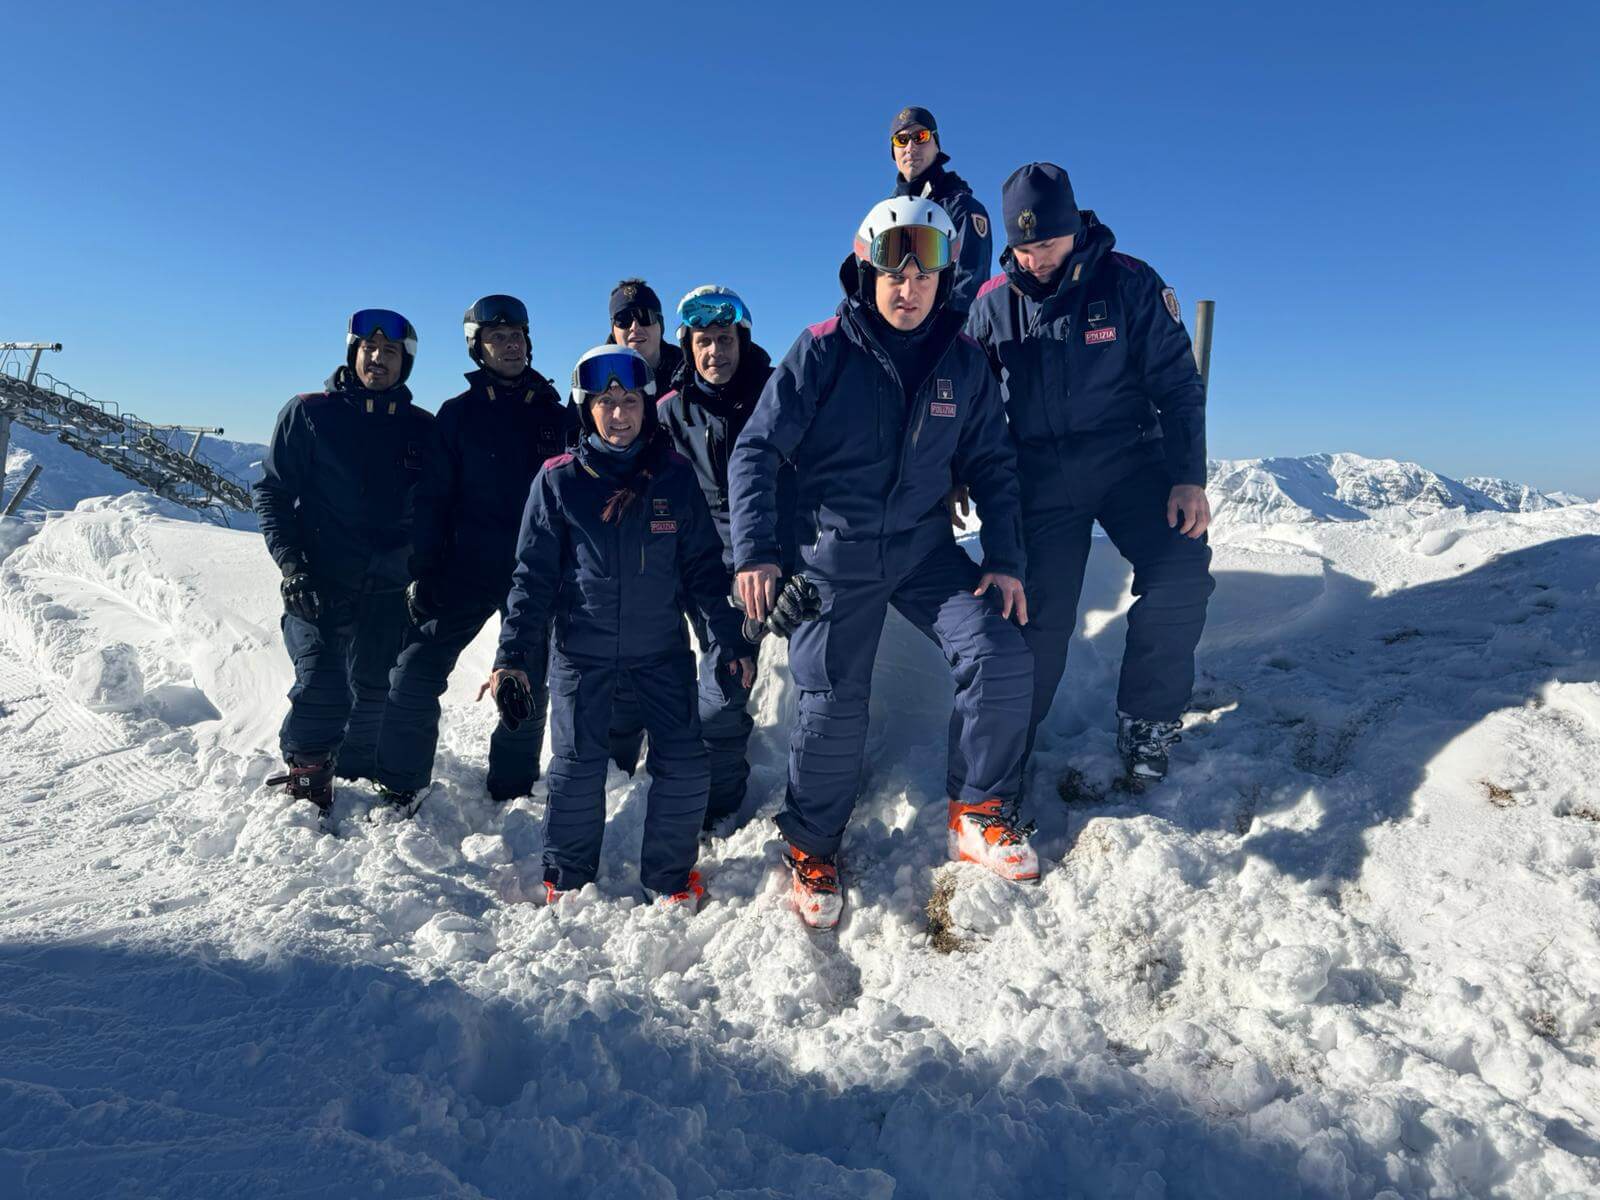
1394	206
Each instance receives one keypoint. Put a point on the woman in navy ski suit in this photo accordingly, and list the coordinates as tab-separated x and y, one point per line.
612	535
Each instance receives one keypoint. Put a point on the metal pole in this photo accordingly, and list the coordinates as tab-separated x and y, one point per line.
1205	312
33	367
22	492
5	447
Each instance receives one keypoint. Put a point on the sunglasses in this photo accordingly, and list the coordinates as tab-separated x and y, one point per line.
634	316
906	136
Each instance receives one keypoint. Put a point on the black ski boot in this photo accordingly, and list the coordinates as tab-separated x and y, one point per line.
1143	746
308	779
403	803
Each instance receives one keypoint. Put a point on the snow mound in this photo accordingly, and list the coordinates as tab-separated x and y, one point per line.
1350	949
1349	487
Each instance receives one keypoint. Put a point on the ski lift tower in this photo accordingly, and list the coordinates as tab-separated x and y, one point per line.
10	349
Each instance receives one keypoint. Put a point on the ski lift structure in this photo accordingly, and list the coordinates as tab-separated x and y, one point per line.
153	456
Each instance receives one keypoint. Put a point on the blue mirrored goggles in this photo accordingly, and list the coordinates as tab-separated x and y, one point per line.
626	369
386	321
698	312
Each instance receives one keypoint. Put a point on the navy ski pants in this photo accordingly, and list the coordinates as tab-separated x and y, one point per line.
725	726
341	678
1171	585
831	660
581	690
411	724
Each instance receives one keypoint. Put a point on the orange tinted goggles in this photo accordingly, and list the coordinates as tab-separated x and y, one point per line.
906	136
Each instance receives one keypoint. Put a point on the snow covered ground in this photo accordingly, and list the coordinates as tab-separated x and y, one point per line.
1352	947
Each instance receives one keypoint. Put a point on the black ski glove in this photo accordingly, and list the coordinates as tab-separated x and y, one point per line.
514	701
300	597
422	600
798	603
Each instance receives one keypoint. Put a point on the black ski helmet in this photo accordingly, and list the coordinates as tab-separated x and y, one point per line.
494	310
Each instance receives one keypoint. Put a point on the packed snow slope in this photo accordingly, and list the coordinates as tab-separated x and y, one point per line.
1351	948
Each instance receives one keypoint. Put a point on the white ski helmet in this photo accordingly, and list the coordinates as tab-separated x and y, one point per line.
890	234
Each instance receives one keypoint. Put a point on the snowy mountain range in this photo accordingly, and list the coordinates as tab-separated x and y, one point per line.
1247	491
1350	487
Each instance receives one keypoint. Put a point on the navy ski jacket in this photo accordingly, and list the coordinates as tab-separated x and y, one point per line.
613	586
1099	364
335	493
872	465
971	219
489	443
704	431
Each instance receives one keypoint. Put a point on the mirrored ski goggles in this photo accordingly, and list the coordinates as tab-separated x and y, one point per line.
720	308
906	136
370	321
891	248
622	367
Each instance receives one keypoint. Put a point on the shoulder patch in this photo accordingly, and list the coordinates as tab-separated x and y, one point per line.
966	337
823	328
980	222
678	460
1129	262
999	281
559	460
314	397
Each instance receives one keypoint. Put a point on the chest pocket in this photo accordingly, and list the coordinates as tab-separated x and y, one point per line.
660	524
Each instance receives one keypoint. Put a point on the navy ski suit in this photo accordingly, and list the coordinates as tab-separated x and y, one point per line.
613	588
704	421
1108	413
873	466
971	219
490	442
334	501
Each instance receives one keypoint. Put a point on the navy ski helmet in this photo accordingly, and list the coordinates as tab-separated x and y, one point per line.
494	310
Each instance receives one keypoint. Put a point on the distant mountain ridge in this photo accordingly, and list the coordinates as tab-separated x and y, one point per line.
1351	487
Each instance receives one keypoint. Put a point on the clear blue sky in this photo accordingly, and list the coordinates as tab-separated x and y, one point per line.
1394	205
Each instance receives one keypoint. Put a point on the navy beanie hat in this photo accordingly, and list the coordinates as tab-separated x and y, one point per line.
1038	203
913	115
634	293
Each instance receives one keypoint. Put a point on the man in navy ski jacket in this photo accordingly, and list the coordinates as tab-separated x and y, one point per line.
921	172
876	409
613	534
490	442
717	389
334	503
1107	412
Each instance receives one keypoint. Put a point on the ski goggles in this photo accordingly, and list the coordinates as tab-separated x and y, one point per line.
636	316
600	368
892	248
499	310
713	308
906	136
371	321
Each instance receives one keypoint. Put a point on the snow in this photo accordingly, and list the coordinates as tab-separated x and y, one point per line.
1351	947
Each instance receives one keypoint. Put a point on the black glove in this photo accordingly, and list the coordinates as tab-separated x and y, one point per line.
798	603
514	701
300	597
422	600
